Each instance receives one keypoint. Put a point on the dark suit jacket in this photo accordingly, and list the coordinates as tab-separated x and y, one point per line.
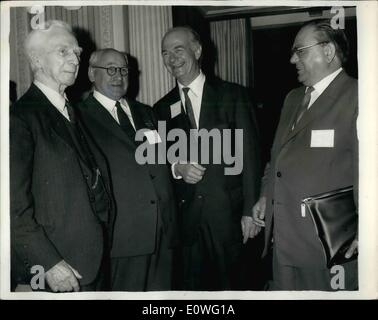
51	214
143	193
218	201
297	170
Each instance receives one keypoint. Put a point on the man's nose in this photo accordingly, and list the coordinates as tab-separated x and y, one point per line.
74	59
294	58
172	57
118	74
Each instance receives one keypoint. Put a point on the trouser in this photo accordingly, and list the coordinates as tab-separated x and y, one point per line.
285	277
151	272
209	264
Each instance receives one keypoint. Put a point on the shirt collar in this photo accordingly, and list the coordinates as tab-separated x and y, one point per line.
109	104
196	86
58	100
320	86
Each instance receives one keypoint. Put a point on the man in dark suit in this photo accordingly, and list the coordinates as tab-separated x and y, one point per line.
215	208
59	199
144	230
315	151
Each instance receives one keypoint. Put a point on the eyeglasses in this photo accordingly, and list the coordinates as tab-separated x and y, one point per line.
299	51
124	71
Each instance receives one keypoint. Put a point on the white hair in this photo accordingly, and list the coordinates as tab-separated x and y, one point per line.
32	45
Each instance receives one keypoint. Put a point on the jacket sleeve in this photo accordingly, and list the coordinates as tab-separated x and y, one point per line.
29	241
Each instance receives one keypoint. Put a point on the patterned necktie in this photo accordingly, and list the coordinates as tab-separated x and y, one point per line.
189	109
124	121
304	105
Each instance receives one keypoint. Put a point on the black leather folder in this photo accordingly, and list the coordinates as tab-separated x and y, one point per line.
336	221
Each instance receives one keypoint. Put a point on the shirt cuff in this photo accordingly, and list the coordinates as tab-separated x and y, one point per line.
177	177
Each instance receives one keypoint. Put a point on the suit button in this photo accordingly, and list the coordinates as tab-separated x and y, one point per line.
183	201
152	201
279	174
199	197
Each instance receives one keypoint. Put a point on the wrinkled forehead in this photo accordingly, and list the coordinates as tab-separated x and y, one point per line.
113	58
174	38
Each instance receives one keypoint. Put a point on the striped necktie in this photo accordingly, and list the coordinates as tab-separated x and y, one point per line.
304	105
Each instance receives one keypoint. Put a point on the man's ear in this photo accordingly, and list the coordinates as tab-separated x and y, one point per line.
329	51
198	51
35	60
91	74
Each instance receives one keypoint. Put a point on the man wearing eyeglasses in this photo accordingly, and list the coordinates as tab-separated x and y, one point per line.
59	195
144	229
315	151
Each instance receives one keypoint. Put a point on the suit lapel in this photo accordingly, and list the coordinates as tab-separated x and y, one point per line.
180	120
141	119
321	106
209	102
295	105
106	121
56	119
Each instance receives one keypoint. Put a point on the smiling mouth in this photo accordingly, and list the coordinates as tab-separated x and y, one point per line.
178	66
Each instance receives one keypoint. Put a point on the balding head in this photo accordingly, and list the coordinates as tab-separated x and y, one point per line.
181	51
108	71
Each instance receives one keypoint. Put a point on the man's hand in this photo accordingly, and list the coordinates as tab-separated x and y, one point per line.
249	229
190	172
63	278
353	248
258	212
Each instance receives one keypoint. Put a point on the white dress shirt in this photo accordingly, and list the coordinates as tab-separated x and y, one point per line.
195	94
320	86
109	105
56	99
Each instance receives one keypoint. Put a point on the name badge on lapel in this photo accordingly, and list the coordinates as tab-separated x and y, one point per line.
175	109
152	136
322	138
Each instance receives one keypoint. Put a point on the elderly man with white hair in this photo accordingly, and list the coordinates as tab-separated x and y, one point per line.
59	195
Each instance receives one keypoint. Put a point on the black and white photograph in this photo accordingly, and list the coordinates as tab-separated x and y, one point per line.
189	150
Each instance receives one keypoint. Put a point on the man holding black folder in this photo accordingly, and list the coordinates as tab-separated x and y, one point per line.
315	151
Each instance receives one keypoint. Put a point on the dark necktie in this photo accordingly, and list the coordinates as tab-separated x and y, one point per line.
70	111
124	121
304	105
189	109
